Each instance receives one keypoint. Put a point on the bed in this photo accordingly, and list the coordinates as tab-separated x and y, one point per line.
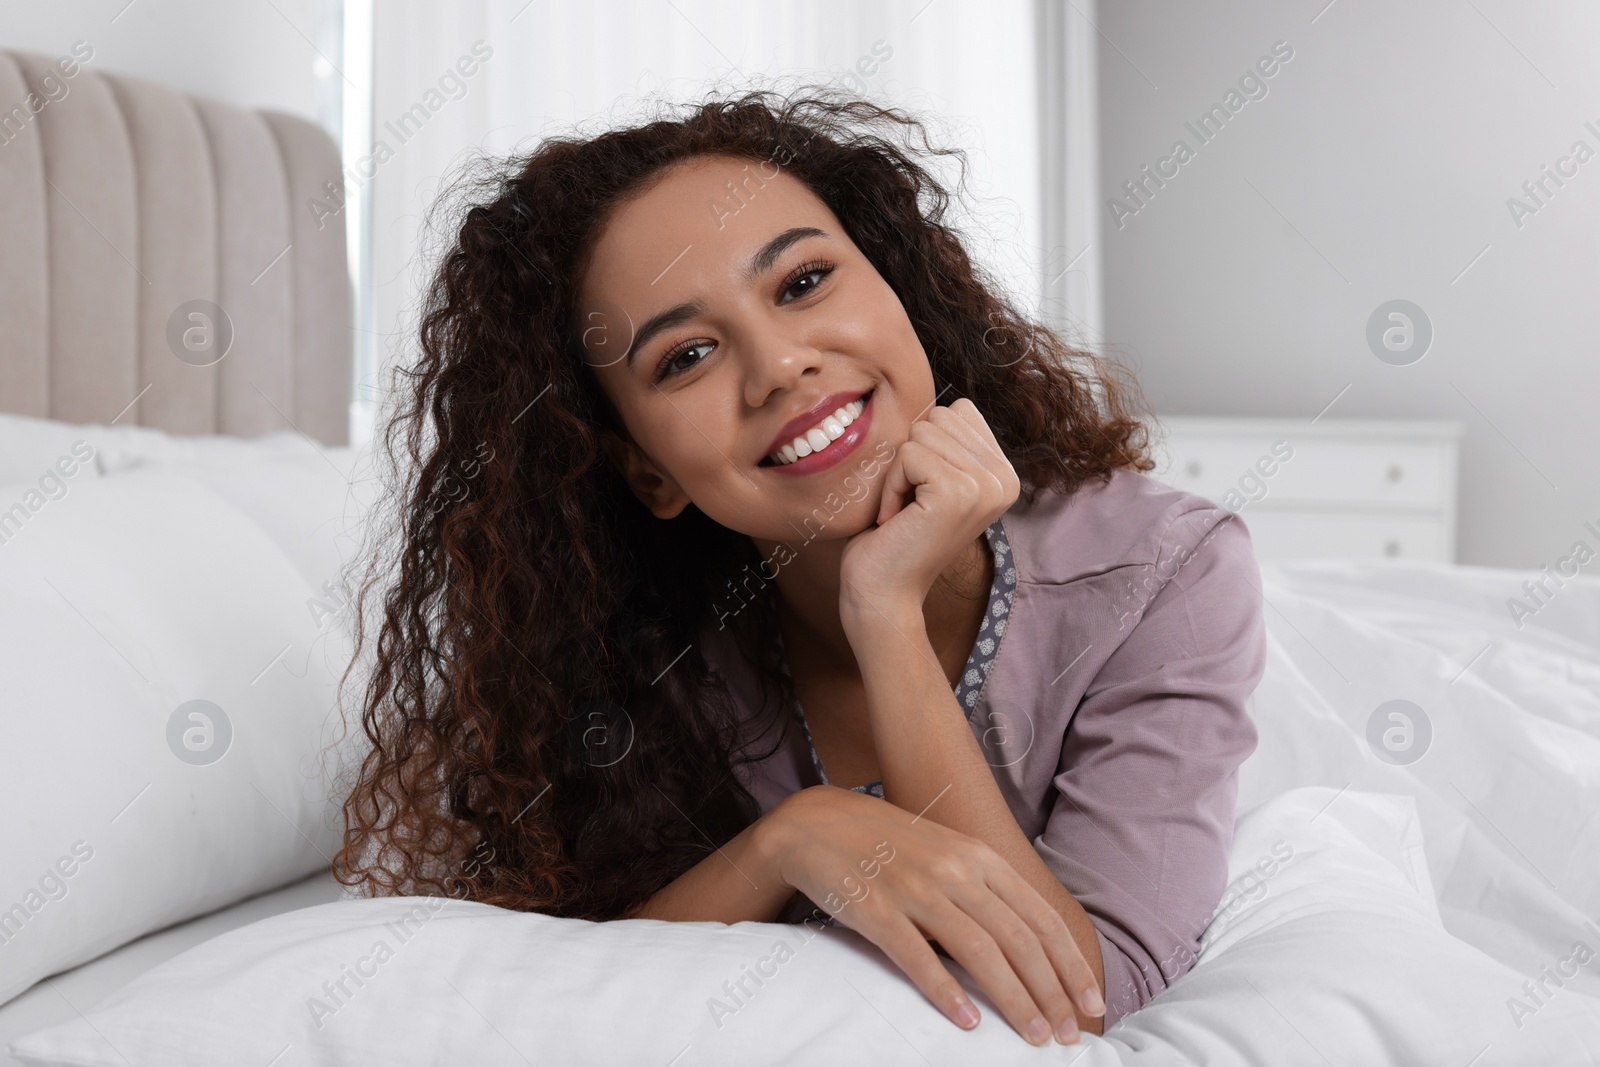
126	207
1415	871
58	999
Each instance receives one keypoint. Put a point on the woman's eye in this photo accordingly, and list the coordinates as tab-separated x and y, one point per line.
794	287
669	362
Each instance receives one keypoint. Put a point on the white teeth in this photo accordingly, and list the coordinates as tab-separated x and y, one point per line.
820	436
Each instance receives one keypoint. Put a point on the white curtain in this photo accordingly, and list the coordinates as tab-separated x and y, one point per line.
973	71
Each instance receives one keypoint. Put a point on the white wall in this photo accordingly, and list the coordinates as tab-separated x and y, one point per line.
246	52
1378	166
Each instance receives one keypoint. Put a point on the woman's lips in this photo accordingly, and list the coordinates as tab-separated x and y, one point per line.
809	419
837	450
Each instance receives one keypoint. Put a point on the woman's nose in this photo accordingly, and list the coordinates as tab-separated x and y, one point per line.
774	362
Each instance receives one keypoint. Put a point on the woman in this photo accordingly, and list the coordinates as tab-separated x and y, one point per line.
755	552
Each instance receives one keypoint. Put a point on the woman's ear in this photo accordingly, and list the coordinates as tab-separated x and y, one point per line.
655	488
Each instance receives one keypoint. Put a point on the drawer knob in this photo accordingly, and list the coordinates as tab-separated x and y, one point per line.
1391	548
1394	472
1192	469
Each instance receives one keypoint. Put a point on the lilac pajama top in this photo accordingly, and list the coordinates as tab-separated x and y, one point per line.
1107	687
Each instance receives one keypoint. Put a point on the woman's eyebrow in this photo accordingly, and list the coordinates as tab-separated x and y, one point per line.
663	320
761	262
768	254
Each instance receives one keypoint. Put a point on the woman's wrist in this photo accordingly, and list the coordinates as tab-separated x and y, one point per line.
739	882
774	835
784	828
867	619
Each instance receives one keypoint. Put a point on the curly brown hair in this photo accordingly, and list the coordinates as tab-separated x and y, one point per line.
539	739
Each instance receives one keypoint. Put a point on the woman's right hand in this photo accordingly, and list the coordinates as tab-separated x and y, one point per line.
901	881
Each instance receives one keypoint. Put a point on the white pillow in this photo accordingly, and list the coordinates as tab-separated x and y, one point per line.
124	601
126	447
312	506
309	498
1338	946
29	446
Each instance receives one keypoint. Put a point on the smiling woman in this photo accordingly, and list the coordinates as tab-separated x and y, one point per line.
668	398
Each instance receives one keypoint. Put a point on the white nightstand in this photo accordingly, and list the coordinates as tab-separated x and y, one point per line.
1336	487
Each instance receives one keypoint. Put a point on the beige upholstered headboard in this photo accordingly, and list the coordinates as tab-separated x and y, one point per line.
126	210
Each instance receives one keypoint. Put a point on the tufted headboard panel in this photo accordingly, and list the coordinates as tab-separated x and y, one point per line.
130	213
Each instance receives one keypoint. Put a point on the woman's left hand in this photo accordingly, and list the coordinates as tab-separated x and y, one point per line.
943	488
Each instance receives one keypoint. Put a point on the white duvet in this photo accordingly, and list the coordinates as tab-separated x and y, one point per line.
1438	911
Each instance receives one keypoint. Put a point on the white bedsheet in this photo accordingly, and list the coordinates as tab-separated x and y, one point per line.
1508	789
58	999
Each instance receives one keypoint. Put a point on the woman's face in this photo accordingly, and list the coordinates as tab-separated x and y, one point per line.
720	306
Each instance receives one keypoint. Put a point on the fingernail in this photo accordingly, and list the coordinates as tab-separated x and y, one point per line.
1093	1004
967	1015
1067	1032
1038	1032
